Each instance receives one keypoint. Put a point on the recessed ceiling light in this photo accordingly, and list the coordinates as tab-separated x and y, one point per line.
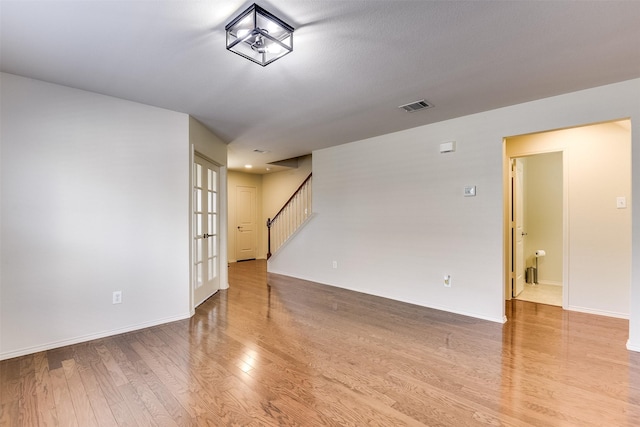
248	166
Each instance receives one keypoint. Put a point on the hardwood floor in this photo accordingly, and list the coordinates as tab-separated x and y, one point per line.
299	353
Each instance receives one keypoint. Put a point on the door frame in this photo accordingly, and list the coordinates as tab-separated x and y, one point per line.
508	157
223	232
517	195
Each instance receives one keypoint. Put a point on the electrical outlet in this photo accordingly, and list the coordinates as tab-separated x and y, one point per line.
335	264
117	297
447	281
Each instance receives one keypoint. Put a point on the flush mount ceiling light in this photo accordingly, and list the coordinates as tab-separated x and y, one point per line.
259	36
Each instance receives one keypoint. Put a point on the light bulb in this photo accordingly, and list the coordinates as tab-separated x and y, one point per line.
274	48
272	27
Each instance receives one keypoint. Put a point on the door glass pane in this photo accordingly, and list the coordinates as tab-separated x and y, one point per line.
212	224
213	177
198	178
198	200
213	207
199	244
198	224
195	175
213	246
212	268
198	275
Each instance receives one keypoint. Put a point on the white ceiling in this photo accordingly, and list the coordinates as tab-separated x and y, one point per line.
353	64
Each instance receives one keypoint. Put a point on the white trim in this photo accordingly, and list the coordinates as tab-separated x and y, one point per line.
224	221
500	320
598	312
205	299
566	208
91	337
550	283
459	312
632	347
192	159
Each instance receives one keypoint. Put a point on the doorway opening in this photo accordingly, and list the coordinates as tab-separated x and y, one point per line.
593	163
537	230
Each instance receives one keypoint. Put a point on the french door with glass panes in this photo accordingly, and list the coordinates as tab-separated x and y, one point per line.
206	221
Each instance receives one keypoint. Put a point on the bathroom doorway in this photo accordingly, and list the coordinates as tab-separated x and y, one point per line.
537	209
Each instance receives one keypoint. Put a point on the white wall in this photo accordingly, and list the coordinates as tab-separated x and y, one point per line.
206	143
391	212
390	209
94	199
543	201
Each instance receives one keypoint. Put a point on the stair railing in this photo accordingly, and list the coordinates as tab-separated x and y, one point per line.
289	218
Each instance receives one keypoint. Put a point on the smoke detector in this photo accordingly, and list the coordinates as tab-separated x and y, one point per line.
415	106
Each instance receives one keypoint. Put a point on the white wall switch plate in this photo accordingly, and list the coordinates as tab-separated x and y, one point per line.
117	297
469	191
621	202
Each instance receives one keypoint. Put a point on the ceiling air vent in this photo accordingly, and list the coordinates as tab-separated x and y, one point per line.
415	106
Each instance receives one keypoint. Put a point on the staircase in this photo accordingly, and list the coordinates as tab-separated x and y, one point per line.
290	218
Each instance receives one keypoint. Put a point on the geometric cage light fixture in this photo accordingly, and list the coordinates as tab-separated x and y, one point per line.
259	36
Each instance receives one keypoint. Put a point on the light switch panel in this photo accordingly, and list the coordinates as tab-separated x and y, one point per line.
621	202
469	191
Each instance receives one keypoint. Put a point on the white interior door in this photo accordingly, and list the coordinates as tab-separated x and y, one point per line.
206	226
518	226
246	245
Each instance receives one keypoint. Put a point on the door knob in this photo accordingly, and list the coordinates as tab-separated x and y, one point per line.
524	234
205	235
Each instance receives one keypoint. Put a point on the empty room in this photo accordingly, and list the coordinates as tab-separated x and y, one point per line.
302	213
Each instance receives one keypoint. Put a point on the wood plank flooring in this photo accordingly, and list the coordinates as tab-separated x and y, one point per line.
295	353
